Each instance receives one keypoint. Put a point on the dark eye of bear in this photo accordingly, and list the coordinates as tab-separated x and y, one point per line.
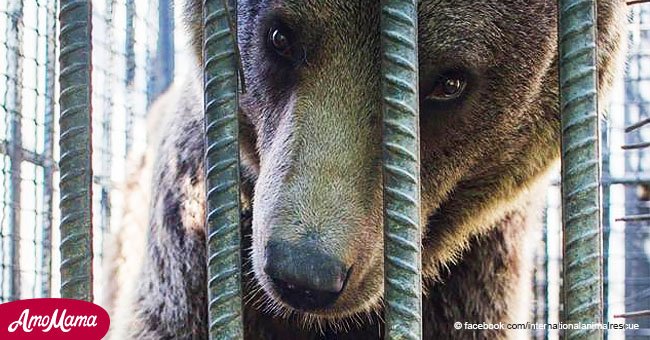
447	87
280	43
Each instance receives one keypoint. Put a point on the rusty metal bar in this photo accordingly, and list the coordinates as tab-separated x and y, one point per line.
76	149
225	309
401	170
581	198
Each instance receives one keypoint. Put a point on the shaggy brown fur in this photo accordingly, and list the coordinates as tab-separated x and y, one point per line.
311	155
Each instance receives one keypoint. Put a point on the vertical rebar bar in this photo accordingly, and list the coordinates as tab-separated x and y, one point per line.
48	150
15	150
222	172
76	149
581	201
401	170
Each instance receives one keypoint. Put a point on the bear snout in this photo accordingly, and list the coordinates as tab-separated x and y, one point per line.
304	277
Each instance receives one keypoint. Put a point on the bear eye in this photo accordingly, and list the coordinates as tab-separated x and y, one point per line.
448	86
280	43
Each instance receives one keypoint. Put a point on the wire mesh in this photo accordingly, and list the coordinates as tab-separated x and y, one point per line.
25	46
631	219
29	181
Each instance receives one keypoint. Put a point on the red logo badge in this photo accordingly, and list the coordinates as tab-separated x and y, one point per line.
52	319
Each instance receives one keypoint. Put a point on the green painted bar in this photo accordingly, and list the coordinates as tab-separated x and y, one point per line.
401	170
76	149
581	201
222	172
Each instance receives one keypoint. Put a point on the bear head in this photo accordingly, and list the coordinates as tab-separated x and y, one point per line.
489	124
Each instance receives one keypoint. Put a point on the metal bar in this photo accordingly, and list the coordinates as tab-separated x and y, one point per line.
48	151
129	50
637	214
14	110
540	282
222	172
6	148
639	314
547	272
636	2
162	70
401	170
543	291
606	219
642	145
625	180
107	129
637	125
581	201
76	149
634	218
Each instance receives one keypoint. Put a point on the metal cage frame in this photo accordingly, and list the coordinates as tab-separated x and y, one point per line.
581	179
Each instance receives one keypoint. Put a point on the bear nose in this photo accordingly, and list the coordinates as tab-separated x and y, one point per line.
304	278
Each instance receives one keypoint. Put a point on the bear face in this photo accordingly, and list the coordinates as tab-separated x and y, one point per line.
489	125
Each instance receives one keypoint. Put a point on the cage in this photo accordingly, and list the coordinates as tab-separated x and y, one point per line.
138	50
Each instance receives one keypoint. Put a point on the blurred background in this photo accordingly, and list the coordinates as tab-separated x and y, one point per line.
139	48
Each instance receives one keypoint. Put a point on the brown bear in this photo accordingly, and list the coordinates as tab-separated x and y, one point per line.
311	161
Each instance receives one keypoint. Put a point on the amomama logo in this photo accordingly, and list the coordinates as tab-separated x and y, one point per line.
52	319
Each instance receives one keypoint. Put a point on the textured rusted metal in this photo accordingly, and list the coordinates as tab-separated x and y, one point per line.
76	149
581	201
222	172
401	170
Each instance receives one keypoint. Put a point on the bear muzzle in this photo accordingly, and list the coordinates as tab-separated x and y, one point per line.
304	277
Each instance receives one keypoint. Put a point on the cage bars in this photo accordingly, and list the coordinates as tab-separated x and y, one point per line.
606	214
636	157
48	151
76	148
102	178
581	201
225	315
401	170
14	149
130	70
162	70
580	168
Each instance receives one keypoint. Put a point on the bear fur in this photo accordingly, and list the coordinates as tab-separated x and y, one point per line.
311	161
